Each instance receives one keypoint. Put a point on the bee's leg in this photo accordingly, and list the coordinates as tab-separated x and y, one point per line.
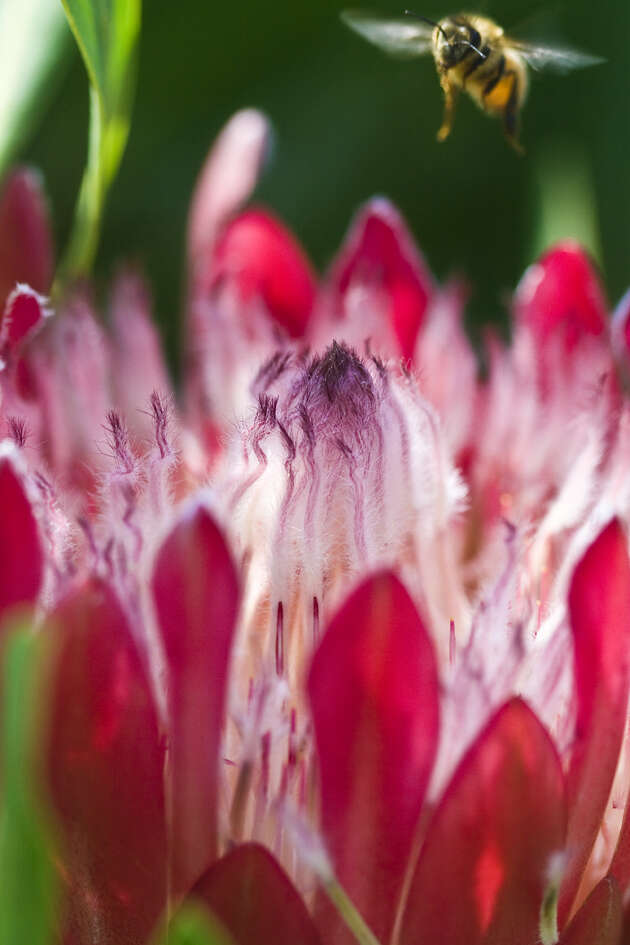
510	116
450	101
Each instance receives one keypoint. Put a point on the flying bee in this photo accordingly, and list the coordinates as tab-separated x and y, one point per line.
471	53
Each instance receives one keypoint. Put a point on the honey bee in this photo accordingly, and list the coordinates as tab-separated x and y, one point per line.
471	53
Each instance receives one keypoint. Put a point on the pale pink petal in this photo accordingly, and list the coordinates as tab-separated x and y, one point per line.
71	371
138	367
620	335
226	180
447	369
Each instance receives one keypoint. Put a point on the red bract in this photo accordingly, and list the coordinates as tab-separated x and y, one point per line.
484	863
599	605
195	591
26	253
255	900
106	759
561	327
264	262
561	297
21	553
380	256
24	314
374	698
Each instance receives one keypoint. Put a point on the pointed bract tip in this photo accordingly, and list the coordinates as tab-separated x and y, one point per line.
227	179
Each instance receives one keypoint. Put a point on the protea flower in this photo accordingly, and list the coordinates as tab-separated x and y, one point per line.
338	639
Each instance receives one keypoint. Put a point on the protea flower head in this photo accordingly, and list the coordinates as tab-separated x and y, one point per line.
339	638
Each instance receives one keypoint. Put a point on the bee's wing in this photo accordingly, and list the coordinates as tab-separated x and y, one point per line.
403	37
553	58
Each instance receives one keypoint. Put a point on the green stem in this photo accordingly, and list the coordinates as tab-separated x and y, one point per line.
548	922
349	913
85	234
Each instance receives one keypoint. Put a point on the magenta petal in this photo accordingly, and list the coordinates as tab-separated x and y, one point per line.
374	694
106	765
561	296
599	920
380	248
265	262
196	596
24	314
21	559
26	253
255	900
599	606
481	873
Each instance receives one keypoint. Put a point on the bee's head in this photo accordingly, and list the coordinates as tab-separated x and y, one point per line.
454	41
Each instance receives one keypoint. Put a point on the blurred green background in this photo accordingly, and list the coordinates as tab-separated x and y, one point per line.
349	123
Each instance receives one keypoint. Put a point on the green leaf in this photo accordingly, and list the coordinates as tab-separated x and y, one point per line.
27	890
33	38
107	33
194	925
